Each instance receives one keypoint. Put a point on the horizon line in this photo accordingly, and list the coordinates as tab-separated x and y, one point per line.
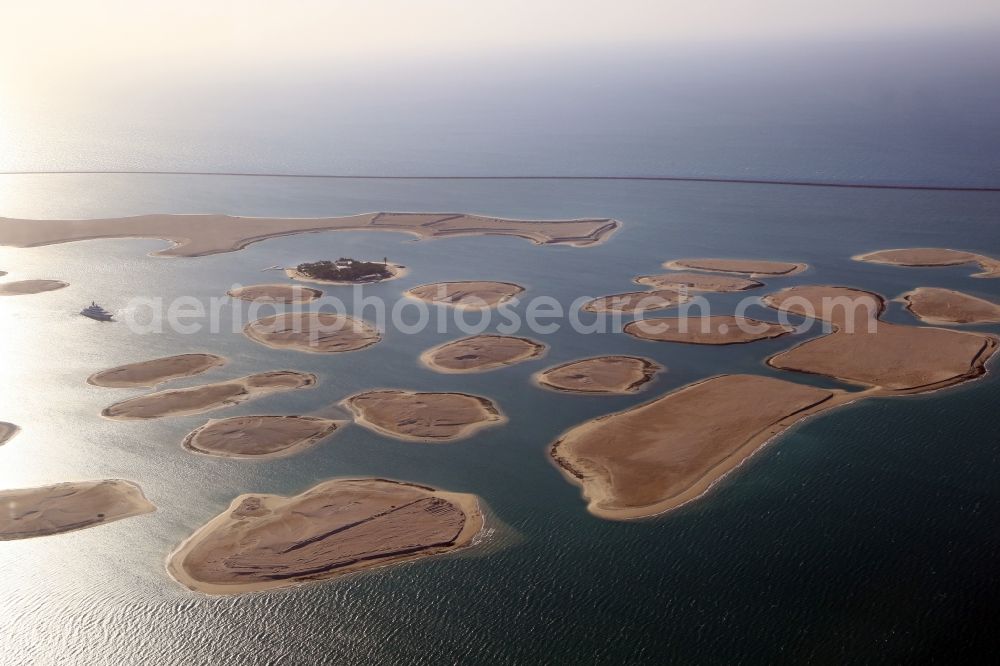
660	178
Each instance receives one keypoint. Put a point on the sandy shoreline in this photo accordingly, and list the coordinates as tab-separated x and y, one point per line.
750	267
423	416
481	353
66	507
338	527
614	375
396	271
7	432
949	307
928	257
466	294
27	287
713	330
636	301
202	234
147	374
291	294
313	332
697	282
259	437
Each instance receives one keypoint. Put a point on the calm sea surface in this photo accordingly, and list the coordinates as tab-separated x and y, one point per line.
868	534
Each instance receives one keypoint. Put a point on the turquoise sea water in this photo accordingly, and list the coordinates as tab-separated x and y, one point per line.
866	534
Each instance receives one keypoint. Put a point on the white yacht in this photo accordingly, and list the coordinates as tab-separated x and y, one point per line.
95	311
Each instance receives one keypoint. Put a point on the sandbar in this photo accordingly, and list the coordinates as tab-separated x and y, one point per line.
262	542
659	455
636	301
933	256
466	295
864	350
65	507
396	271
944	306
423	416
276	293
316	332
480	353
198	235
601	374
697	282
714	330
259	436
7	432
198	399
25	287
156	371
751	267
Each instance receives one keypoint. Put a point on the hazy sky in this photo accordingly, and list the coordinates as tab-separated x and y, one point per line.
63	39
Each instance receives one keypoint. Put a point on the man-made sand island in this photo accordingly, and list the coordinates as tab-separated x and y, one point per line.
347	271
259	436
714	330
896	359
197	235
636	301
423	417
290	294
198	399
933	256
341	526
697	282
844	307
751	267
601	374
26	287
316	332
7	432
65	507
157	371
657	456
480	353
466	295
944	306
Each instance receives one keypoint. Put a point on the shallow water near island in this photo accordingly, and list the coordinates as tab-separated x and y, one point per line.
866	531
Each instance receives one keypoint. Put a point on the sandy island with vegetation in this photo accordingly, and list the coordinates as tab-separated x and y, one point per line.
7	432
480	353
259	436
346	271
895	358
466	295
316	332
751	267
659	455
65	507
147	374
418	416
636	301
26	287
923	257
714	330
288	294
945	306
197	235
198	399
615	375
262	542
697	282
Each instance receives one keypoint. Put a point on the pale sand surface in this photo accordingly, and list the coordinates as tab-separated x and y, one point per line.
933	256
751	267
601	374
341	526
944	306
198	399
657	456
636	301
156	371
65	507
423	417
480	353
317	332
468	295
714	330
697	282
276	293
259	436
895	358
396	271
25	287
7	432
196	235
